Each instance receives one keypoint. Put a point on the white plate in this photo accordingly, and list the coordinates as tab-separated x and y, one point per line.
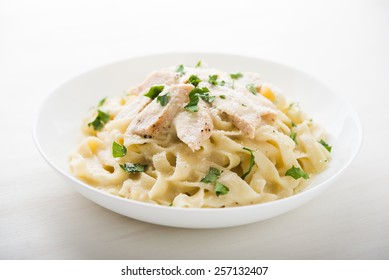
57	131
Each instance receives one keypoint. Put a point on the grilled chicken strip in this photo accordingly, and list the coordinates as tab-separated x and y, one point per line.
156	117
193	128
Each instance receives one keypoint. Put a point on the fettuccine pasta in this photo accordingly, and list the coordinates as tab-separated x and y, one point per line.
200	137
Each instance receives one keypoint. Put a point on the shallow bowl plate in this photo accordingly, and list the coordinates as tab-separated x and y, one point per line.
57	131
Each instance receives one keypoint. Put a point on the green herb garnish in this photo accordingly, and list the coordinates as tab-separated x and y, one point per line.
213	79
180	69
252	162
222	96
293	124
296	173
199	64
118	150
293	104
251	88
99	122
212	176
236	76
222	83
293	136
193	101
221	189
194	80
133	168
101	102
328	147
194	96
154	91
163	99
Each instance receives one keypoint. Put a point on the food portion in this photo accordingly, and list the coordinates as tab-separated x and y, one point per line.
200	137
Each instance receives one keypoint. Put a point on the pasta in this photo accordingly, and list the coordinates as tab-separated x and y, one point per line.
200	137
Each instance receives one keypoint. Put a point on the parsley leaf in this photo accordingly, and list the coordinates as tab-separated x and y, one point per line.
163	99
204	94
180	69
194	96
293	104
101	102
222	83
236	76
133	168
328	147
293	136
221	189
222	96
251	88
199	64
194	80
99	122
293	124
212	176
213	79
118	150
154	91
193	101
252	162
296	173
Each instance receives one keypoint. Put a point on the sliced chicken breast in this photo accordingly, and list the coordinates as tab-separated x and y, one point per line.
244	111
193	128
132	108
156	117
163	77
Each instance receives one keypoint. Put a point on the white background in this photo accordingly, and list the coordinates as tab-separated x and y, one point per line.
42	43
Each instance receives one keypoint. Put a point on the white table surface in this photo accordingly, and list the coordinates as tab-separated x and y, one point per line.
42	43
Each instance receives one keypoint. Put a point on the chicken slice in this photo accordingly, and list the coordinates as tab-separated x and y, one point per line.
156	117
193	128
133	107
163	77
244	111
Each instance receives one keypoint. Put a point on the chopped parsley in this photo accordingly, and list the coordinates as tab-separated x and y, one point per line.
180	69
222	83
154	91
194	80
252	162
194	96
198	64
193	101
163	99
212	176
99	122
133	168
101	102
328	147
296	173
293	124
222	96
251	88
221	189
236	76
293	136
293	104
213	79
118	150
